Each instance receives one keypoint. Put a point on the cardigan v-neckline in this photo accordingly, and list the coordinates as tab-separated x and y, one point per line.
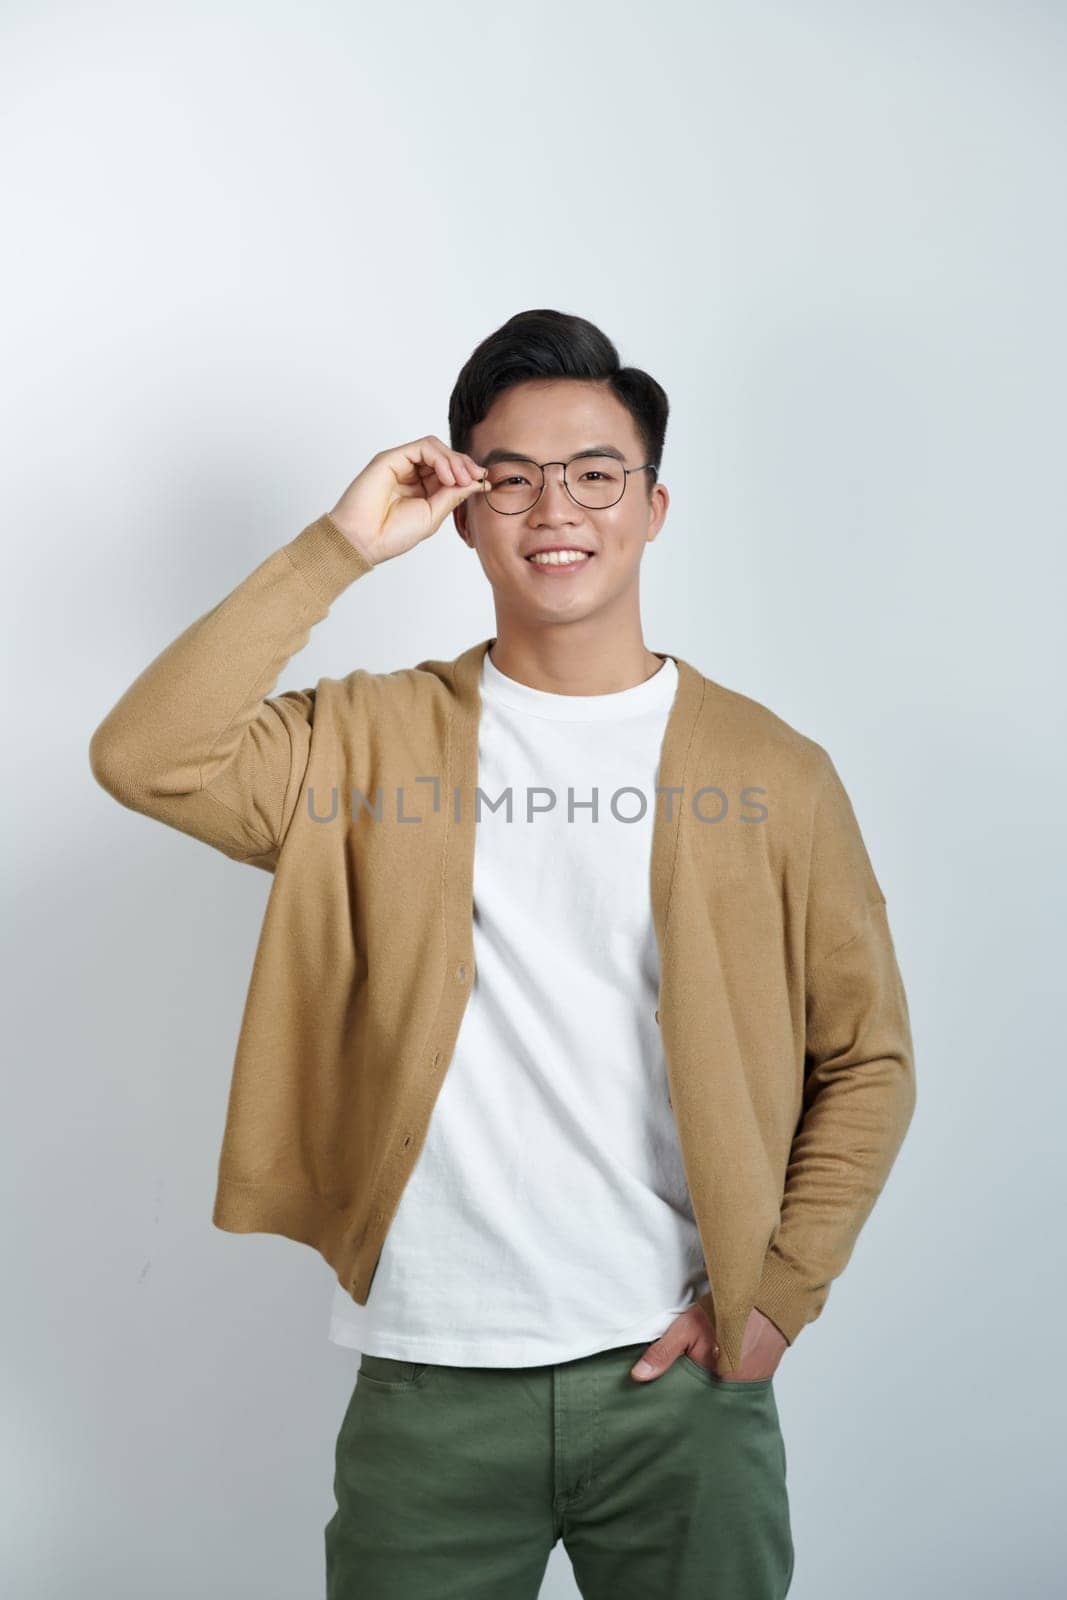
462	760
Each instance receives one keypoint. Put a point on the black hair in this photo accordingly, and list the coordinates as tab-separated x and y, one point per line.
554	344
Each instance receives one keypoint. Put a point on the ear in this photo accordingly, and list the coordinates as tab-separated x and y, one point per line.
459	517
660	502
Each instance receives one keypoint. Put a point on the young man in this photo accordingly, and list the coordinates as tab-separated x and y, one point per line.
575	1039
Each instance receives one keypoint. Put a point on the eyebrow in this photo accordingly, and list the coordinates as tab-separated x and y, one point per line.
520	455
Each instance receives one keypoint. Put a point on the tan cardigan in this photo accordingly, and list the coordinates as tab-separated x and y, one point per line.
784	1020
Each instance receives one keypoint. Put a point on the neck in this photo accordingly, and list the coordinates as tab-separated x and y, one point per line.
569	659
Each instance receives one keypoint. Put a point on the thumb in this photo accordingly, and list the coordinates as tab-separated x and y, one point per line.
448	498
656	1359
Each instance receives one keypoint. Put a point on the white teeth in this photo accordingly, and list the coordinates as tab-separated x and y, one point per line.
559	558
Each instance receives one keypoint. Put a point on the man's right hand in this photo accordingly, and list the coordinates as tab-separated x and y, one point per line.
403	495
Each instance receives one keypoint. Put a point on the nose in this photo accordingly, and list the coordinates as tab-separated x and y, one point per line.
554	495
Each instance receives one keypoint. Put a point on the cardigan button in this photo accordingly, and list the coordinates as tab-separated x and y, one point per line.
461	972
657	1016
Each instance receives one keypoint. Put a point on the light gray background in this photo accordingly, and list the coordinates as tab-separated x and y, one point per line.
248	246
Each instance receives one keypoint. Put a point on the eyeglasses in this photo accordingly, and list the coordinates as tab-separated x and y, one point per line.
512	487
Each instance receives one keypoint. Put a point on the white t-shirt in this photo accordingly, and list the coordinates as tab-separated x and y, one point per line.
547	1216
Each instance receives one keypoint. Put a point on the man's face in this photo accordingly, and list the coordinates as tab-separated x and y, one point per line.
553	420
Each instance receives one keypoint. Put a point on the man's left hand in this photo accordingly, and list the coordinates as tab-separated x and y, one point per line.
691	1334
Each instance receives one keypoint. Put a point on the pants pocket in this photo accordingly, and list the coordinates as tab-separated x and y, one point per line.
712	1379
391	1372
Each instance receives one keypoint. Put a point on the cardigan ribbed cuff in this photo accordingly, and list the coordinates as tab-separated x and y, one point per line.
783	1298
326	559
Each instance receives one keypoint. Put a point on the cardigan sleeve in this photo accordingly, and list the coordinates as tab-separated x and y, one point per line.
859	1086
197	741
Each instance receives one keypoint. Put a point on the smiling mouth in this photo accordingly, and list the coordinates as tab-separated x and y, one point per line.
560	558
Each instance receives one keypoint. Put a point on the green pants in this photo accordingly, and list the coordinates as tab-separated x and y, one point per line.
455	1483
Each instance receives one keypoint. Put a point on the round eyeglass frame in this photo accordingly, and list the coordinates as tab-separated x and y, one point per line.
541	465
